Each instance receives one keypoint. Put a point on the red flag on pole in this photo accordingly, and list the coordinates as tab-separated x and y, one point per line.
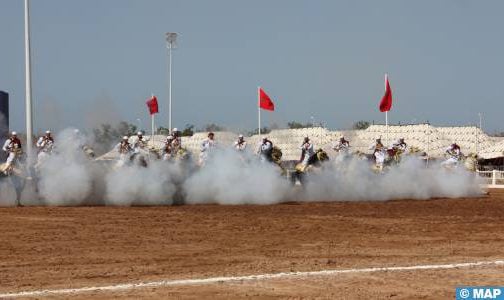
152	105
265	101
386	101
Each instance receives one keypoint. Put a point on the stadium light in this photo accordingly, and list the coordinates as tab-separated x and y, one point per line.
480	115
171	43
28	94
428	133
480	120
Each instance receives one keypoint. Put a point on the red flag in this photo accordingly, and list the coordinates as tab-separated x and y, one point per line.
265	101
152	105
386	101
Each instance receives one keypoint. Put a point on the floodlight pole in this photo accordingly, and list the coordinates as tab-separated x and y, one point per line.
139	124
428	143
171	38
28	94
478	133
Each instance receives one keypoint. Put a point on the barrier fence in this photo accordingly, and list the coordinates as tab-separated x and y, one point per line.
494	178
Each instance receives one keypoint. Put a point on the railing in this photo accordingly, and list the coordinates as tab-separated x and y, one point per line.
494	178
491	167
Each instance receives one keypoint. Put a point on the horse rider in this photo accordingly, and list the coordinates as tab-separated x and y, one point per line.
399	145
343	146
207	146
265	150
378	153
140	144
306	151
377	145
399	148
240	144
125	149
176	142
13	147
45	145
168	152
454	155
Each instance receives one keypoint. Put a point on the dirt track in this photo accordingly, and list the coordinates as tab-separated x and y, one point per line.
52	248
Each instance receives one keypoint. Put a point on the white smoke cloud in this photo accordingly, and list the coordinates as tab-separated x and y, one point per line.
29	195
355	181
65	176
229	178
135	185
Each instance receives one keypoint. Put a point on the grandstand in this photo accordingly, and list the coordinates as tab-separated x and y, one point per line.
430	139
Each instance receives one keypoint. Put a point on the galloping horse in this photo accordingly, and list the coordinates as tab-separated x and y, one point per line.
315	162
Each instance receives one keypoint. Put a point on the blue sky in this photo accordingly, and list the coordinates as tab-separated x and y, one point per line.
98	61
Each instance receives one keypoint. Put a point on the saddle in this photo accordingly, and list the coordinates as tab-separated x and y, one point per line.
276	154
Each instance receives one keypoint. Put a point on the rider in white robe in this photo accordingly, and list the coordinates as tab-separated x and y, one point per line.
207	146
306	151
140	144
454	155
379	152
240	145
125	150
168	149
399	145
13	147
45	145
342	147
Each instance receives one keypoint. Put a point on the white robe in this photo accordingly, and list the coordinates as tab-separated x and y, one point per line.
12	154
45	145
240	147
455	155
380	157
308	152
207	147
341	147
400	146
123	156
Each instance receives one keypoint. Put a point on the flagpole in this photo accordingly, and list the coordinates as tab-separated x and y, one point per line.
386	115
428	143
152	124
152	129
386	128
259	110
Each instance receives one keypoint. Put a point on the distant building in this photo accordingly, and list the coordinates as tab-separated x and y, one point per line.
4	120
4	114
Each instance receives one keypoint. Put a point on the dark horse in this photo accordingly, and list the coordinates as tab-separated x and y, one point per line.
301	171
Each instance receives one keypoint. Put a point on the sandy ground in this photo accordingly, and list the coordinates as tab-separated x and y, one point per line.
74	247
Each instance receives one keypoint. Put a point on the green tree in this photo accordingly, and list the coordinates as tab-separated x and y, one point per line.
297	125
106	135
274	126
213	127
361	125
125	128
188	130
163	130
264	130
